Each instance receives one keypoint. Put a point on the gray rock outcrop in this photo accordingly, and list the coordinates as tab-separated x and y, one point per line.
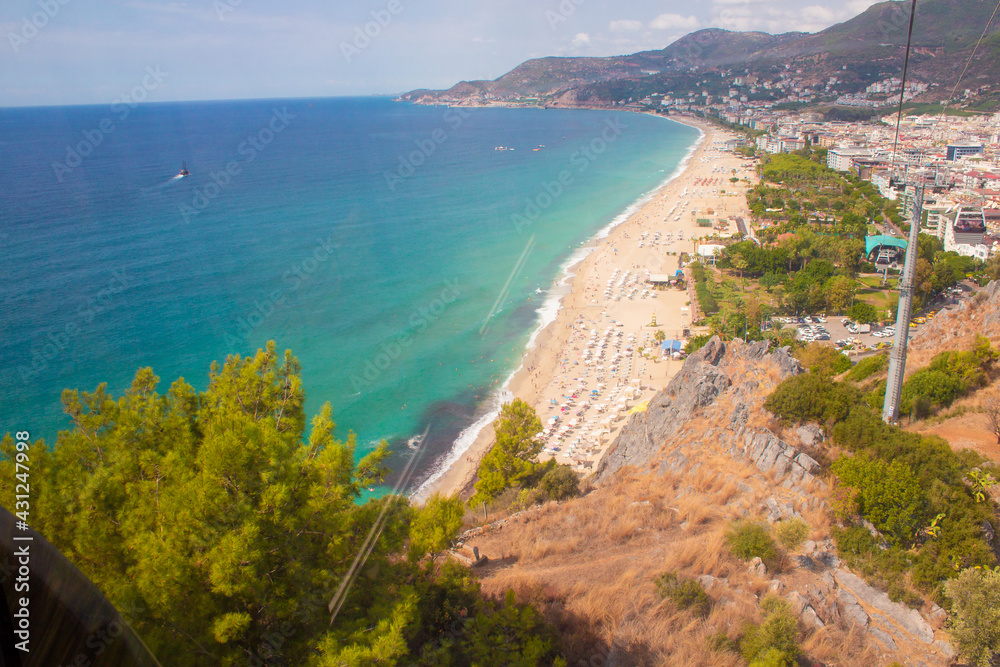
772	455
706	375
889	615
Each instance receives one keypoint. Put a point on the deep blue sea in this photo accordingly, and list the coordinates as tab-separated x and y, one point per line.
391	247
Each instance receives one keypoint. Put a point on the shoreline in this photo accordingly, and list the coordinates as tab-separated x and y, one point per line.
542	377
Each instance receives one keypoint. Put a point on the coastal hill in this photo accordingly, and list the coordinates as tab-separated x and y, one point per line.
848	56
704	455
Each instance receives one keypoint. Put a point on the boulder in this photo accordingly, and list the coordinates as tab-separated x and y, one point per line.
810	618
705	375
756	567
850	609
811	435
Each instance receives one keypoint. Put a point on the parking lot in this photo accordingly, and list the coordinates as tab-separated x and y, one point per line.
834	332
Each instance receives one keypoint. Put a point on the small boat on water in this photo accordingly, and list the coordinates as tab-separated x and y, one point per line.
184	170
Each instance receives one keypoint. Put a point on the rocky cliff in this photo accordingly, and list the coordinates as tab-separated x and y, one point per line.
715	370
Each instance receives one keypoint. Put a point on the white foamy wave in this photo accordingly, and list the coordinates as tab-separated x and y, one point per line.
462	443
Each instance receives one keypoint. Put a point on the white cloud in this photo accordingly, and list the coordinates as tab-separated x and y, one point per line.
581	39
819	14
675	22
625	25
777	16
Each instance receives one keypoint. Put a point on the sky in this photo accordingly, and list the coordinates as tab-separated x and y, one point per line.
56	52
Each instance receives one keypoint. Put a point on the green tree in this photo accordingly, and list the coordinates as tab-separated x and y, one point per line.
205	515
222	530
513	635
864	313
928	247
822	360
770	280
812	397
739	263
975	597
852	251
560	483
511	460
435	524
839	294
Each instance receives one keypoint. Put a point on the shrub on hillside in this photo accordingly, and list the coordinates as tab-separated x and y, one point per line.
684	592
950	374
867	367
560	483
975	599
812	397
933	387
773	642
957	540
889	495
749	540
792	533
822	360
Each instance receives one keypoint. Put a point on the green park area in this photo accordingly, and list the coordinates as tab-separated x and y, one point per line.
812	223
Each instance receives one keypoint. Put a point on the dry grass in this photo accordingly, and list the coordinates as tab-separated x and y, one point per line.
589	564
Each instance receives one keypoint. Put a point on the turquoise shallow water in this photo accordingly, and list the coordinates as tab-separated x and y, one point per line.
390	246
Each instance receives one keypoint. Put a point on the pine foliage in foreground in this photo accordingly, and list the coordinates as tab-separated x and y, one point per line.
221	531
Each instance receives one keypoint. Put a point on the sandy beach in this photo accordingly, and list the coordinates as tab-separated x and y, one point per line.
599	359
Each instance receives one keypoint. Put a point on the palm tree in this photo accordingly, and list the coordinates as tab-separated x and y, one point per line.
739	263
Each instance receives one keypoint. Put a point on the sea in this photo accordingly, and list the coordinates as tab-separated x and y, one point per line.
406	254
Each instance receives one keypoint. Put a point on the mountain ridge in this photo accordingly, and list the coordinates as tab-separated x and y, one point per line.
842	59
